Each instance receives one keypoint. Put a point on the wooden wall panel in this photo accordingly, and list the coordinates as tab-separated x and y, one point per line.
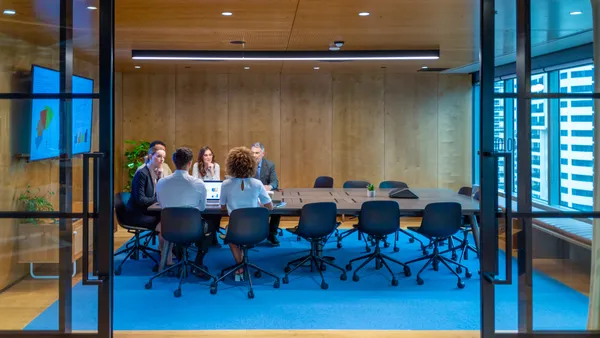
254	112
201	118
454	132
358	127
306	129
411	146
149	108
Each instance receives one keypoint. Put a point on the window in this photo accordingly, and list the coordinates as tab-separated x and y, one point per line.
499	137
564	118
577	134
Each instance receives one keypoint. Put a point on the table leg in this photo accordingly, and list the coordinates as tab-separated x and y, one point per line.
475	229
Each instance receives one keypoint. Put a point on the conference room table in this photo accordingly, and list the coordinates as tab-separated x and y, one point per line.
349	202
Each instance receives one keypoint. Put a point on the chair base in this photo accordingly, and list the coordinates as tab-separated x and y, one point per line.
435	258
316	261
133	248
183	267
245	264
380	259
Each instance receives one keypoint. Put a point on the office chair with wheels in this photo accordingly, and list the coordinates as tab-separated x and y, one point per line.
182	227
392	185
134	246
323	182
378	219
440	221
351	185
317	222
247	227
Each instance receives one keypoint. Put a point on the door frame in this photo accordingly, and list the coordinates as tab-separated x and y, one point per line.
103	171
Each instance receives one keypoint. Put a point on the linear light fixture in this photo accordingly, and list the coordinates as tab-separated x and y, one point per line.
366	55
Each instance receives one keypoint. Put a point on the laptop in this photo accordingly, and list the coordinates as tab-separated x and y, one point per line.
213	192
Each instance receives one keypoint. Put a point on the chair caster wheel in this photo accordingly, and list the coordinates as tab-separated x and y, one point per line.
355	278
324	285
148	286
343	276
411	240
118	271
420	281
250	294
394	282
407	271
348	267
285	280
287	269
257	274
177	293
436	266
460	284
386	245
213	289
339	245
454	257
368	249
298	239
396	249
459	270
425	252
468	274
276	285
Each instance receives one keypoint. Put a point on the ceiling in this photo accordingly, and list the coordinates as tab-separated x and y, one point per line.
450	25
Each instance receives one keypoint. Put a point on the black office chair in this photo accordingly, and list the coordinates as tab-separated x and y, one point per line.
355	184
317	222
378	219
440	222
134	246
323	182
350	185
392	185
466	229
247	227
182	227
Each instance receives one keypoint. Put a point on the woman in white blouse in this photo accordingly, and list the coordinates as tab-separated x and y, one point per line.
206	168
242	190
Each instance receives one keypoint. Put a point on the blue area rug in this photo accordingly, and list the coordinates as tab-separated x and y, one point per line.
372	303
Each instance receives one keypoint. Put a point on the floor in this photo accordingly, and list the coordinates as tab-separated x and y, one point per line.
28	298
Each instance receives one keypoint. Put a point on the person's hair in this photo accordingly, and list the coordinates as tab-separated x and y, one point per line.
153	150
182	156
155	142
241	163
201	167
258	145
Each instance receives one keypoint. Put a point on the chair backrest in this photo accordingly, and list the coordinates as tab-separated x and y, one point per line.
392	185
379	218
323	182
181	225
121	200
441	219
248	226
317	220
355	184
467	191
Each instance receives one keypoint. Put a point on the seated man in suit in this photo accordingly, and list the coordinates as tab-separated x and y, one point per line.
165	167
267	175
183	190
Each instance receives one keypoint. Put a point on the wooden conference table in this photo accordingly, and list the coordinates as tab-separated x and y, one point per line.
349	202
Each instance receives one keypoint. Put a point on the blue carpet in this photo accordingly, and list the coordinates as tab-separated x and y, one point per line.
371	303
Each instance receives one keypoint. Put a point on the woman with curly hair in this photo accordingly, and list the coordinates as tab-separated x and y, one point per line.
242	190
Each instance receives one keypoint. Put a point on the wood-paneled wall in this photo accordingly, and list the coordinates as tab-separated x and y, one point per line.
365	126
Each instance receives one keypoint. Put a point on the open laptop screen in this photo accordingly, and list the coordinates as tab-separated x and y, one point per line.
213	190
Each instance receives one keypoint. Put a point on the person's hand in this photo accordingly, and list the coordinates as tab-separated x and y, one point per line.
268	187
159	172
211	167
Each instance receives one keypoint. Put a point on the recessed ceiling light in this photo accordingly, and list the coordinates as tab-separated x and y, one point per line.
334	48
9	12
576	13
246	68
364	14
316	68
226	14
424	67
138	67
92	8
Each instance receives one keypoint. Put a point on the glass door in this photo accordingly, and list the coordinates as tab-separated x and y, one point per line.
537	209
56	126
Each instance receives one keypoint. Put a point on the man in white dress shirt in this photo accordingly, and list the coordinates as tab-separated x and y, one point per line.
183	190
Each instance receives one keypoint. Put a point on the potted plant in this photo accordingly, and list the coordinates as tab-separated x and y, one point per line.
370	190
135	158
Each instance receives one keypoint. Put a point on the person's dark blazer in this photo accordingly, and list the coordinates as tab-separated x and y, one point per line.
268	176
142	192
